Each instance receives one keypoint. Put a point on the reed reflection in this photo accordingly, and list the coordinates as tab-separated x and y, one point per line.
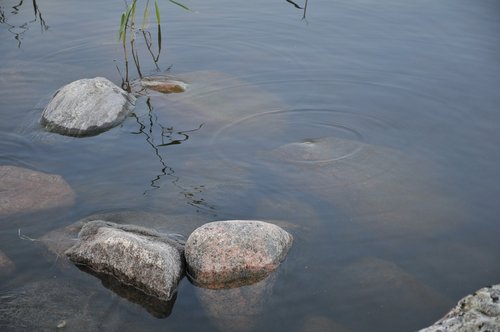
158	137
18	30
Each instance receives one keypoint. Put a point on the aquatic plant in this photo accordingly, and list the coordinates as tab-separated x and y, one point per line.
127	35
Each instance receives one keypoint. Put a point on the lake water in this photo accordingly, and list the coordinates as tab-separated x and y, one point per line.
369	129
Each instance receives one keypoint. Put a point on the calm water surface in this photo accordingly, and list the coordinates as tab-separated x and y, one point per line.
371	128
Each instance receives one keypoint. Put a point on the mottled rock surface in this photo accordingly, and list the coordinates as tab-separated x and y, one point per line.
6	265
61	239
479	312
87	107
224	254
145	259
27	191
163	84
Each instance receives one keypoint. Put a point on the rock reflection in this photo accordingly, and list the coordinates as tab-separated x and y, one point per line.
18	30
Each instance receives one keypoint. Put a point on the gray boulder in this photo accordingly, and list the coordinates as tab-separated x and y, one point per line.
145	259
225	254
26	191
87	107
479	312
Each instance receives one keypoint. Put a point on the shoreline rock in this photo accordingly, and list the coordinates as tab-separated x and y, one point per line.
87	107
233	253
479	312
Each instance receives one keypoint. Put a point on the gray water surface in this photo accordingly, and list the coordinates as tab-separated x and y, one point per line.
370	128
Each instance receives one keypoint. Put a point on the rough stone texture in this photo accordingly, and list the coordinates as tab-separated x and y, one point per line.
59	240
237	309
87	107
145	259
224	254
26	191
479	312
163	84
6	265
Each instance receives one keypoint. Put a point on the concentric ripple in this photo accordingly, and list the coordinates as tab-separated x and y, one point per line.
300	136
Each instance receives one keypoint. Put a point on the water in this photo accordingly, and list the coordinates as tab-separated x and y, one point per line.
370	128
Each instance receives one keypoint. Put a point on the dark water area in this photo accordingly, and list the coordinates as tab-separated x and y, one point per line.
369	127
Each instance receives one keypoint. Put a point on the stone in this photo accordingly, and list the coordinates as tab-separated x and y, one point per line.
384	191
232	253
87	107
163	84
61	239
150	261
6	265
27	191
479	312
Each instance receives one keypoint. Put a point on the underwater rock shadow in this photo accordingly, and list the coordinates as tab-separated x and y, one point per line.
156	307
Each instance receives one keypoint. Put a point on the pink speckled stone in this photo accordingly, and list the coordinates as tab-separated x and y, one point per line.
224	254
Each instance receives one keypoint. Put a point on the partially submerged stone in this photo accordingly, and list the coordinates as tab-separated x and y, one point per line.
59	240
27	191
143	258
163	84
87	107
479	312
6	265
225	254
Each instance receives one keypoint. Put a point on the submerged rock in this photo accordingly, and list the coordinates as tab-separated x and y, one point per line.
87	107
370	290
163	84
145	259
479	312
27	191
225	254
43	305
6	265
318	323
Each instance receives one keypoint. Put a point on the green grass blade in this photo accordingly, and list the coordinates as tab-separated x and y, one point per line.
157	11
179	4
145	16
122	27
